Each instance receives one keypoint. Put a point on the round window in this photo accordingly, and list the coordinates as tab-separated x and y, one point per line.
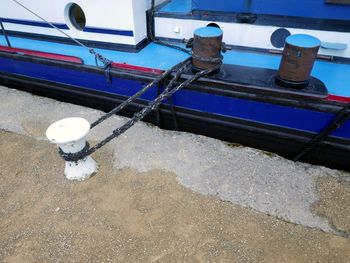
77	16
213	25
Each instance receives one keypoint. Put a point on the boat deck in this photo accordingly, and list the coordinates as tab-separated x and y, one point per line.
334	75
177	6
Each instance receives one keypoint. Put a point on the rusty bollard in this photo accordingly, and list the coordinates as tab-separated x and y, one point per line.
298	57
206	48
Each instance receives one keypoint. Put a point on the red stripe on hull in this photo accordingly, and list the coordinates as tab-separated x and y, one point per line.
53	56
136	68
338	98
75	60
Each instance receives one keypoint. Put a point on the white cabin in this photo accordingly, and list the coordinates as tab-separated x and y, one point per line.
121	22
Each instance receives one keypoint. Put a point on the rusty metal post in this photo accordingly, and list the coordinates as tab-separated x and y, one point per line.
298	58
206	48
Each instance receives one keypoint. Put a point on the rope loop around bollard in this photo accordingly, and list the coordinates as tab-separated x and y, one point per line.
210	60
74	157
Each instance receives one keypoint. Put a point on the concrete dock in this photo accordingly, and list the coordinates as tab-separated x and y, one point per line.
160	196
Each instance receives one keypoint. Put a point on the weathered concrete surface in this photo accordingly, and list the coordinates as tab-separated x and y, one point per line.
334	202
243	176
126	216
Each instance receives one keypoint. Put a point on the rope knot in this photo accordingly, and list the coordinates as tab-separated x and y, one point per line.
106	63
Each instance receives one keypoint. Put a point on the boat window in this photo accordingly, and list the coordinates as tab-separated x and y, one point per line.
346	2
278	37
213	25
77	17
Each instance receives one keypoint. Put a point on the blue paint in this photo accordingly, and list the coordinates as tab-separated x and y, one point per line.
334	45
335	76
127	33
65	27
208	31
305	8
177	6
145	58
283	116
33	23
303	40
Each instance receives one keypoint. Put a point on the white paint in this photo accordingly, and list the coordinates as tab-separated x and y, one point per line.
70	135
254	36
176	29
104	14
131	15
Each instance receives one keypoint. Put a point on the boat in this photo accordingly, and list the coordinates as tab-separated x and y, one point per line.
100	53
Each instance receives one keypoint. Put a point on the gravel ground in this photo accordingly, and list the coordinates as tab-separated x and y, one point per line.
334	202
127	216
243	176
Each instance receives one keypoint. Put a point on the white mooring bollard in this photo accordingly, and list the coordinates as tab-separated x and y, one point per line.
70	135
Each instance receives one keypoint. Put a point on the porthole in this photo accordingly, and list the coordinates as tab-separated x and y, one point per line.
213	25
278	37
76	17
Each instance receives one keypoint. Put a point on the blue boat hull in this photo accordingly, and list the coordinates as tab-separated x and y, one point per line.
273	123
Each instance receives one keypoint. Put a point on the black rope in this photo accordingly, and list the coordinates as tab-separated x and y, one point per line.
106	63
107	67
173	113
339	119
151	106
160	42
168	91
73	157
158	109
5	34
211	60
140	92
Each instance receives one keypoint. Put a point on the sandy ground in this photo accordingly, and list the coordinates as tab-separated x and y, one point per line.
334	202
160	196
241	175
126	216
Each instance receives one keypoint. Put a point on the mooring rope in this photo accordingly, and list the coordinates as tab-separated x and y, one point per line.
339	119
71	157
168	91
140	92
